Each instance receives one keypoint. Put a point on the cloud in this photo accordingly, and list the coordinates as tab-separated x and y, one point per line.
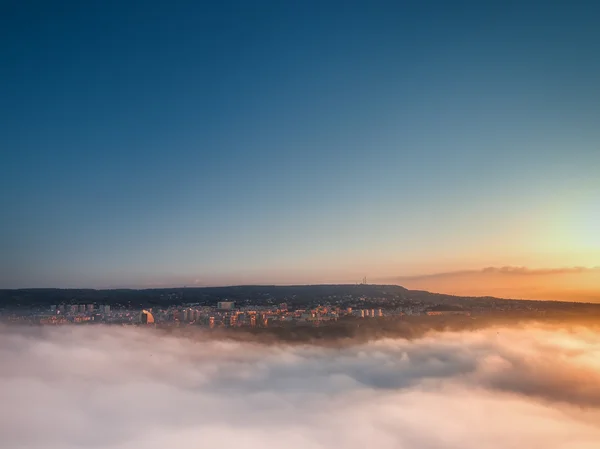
507	270
122	388
568	283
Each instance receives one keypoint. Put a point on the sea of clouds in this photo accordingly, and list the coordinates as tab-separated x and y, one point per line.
128	388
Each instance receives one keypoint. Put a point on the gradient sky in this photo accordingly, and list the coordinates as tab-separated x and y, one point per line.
181	143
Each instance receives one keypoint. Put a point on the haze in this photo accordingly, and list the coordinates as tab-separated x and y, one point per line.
122	388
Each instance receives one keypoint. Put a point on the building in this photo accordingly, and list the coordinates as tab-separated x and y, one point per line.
146	317
225	305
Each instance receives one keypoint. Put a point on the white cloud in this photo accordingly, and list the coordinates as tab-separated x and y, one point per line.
122	388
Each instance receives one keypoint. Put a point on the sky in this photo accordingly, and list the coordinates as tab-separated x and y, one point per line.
204	143
125	387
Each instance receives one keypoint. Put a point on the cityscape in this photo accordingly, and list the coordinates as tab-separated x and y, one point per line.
266	306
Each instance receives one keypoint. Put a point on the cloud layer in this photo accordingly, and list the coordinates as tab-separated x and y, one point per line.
125	388
565	284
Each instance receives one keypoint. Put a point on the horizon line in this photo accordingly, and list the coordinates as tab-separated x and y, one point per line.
305	285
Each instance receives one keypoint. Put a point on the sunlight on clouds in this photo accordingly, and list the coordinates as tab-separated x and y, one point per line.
122	388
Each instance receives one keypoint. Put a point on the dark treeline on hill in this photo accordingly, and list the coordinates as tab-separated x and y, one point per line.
164	297
295	296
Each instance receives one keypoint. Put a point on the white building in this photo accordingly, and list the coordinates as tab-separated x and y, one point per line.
225	305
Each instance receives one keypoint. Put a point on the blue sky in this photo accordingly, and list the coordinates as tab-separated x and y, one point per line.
171	143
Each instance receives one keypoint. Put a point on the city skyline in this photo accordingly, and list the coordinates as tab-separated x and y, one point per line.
417	143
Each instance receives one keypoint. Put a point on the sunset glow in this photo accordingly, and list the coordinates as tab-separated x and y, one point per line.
298	144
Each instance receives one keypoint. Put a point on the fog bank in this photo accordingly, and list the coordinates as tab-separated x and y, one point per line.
125	388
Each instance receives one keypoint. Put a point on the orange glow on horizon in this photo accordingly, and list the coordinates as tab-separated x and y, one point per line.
569	284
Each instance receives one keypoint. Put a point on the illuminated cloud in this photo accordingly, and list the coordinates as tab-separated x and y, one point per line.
506	270
122	388
567	284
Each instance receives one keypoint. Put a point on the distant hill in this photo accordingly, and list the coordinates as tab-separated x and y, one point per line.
294	295
205	295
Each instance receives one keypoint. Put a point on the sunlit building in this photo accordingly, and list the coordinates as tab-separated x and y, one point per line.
146	317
